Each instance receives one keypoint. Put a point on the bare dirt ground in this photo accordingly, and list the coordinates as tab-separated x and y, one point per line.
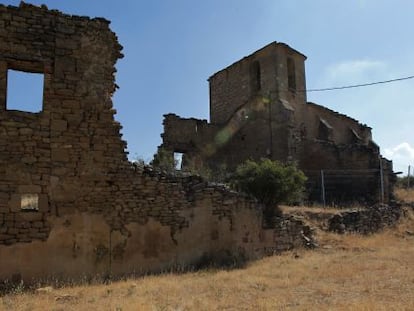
347	272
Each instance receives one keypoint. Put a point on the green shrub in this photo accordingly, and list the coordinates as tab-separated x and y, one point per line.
270	182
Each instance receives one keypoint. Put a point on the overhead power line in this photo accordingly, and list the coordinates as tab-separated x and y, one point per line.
357	85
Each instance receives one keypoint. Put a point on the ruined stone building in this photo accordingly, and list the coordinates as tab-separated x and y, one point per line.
258	109
71	204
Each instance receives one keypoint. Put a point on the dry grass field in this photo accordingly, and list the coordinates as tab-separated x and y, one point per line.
406	195
348	272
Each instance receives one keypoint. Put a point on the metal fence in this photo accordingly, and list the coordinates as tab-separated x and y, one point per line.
336	187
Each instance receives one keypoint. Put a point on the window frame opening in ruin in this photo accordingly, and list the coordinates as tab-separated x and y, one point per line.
24	90
355	138
291	74
255	77
29	202
178	160
325	130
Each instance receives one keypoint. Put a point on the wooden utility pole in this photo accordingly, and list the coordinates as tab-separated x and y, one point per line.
323	188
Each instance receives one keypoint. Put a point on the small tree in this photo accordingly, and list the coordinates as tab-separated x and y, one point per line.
270	182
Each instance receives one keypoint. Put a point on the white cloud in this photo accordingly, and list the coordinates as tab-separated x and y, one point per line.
354	70
402	156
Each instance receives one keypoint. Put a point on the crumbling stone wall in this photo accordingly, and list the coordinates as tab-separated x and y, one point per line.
74	137
366	221
346	129
94	212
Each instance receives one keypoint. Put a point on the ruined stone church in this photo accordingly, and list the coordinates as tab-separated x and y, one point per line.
258	108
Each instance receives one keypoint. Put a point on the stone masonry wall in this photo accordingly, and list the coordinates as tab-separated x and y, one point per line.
147	221
95	212
75	135
263	73
342	125
366	221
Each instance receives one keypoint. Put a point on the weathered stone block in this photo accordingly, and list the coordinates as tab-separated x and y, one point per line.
4	236
29	189
43	203
39	235
12	231
25	131
63	65
29	160
29	216
60	155
15	203
58	125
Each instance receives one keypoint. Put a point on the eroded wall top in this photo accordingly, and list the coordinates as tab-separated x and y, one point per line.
78	52
48	156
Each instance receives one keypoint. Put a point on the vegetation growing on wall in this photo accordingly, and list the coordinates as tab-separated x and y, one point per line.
164	160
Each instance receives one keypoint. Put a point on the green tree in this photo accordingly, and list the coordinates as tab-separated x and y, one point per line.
270	182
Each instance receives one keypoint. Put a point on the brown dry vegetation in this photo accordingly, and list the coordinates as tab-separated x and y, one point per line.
406	195
348	272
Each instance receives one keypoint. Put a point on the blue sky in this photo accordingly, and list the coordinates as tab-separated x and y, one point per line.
172	47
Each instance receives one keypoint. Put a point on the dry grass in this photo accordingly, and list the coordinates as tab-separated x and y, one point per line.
347	272
406	195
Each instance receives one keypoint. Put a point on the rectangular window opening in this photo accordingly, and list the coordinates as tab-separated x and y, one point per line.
255	77
29	202
325	131
178	160
291	74
24	91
